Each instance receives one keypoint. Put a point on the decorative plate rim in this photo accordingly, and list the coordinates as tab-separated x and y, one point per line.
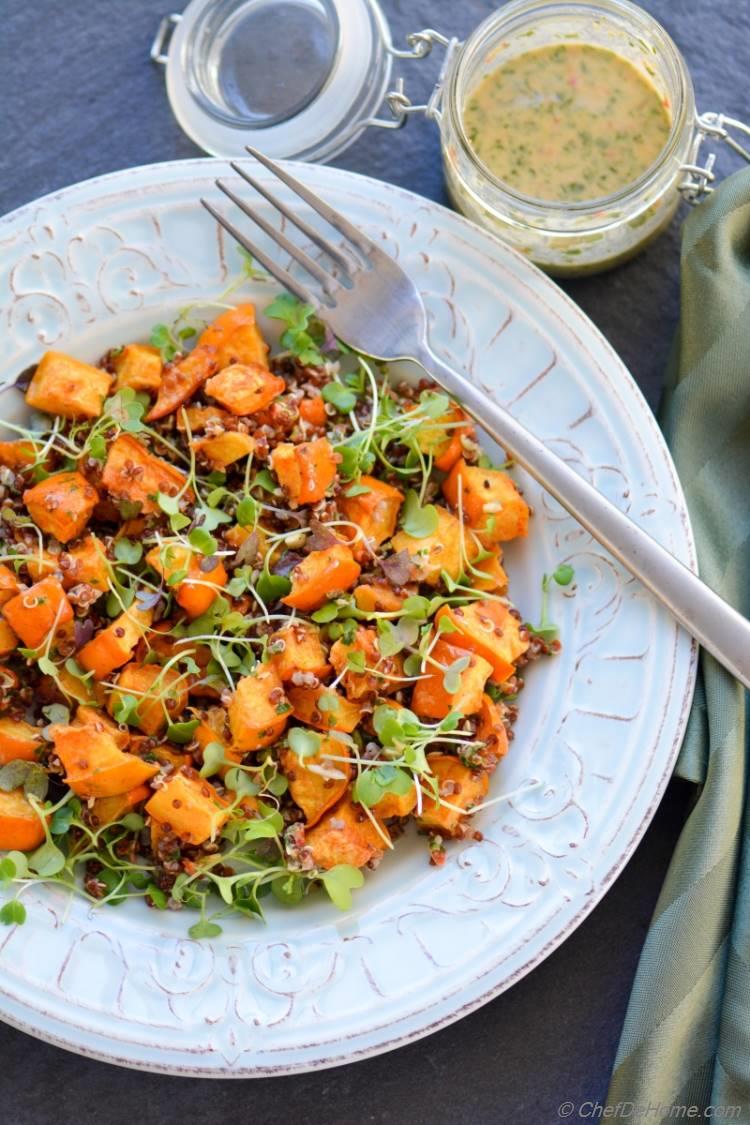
575	317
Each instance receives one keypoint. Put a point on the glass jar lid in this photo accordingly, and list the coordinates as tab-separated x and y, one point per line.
295	78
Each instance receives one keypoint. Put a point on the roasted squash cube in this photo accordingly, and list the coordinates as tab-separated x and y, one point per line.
8	639
9	584
113	646
223	450
87	562
375	596
490	629
316	782
258	710
62	504
106	810
138	366
320	575
19	740
34	613
95	766
189	806
161	692
180	381
67	387
324	708
430	698
21	830
438	552
305	471
441	437
297	648
132	473
197	591
236	338
492	505
345	834
245	388
458	786
375	512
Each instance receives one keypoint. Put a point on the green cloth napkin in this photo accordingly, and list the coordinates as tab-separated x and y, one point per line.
686	1039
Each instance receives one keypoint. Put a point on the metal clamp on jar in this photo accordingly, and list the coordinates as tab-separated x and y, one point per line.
303	78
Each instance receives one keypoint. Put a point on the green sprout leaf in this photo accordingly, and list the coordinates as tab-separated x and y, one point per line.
128	552
302	328
564	574
201	540
161	338
326	613
416	521
181	733
452	674
288	889
247	512
339	883
339	396
13	913
373	784
213	759
204	929
47	861
304	743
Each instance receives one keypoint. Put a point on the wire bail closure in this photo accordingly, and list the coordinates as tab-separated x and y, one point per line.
397	100
699	178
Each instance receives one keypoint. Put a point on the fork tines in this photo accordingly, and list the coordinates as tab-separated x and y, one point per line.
346	259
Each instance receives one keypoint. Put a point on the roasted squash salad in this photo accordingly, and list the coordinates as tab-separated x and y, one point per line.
253	619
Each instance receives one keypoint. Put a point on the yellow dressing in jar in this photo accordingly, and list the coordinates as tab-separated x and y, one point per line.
567	122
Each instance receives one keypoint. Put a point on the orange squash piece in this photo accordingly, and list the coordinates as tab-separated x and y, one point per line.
138	366
491	730
310	789
305	471
245	388
132	473
68	387
195	419
324	709
96	721
236	337
438	552
32	614
19	741
313	410
442	437
491	502
375	512
357	685
8	639
86	562
9	584
21	830
431	700
106	810
320	575
112	647
302	651
189	806
199	589
258	710
458	785
224	449
374	597
180	381
396	804
345	834
95	766
62	504
17	455
162	695
490	629
494	580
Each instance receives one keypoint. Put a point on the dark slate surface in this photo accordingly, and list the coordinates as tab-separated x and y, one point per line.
78	97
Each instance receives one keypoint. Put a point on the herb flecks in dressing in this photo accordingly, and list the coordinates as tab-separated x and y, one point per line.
567	122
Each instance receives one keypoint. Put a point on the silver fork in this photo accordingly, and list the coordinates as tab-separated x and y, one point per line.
374	307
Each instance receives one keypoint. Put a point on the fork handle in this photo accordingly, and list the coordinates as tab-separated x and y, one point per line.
721	630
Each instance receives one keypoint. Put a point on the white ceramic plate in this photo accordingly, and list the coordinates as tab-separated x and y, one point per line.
600	725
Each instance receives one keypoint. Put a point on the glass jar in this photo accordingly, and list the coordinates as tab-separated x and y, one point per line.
566	238
303	78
